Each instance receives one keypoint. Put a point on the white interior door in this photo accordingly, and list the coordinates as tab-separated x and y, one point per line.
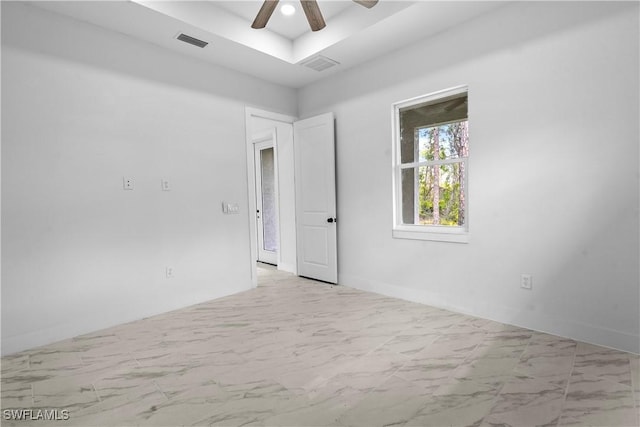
314	149
266	200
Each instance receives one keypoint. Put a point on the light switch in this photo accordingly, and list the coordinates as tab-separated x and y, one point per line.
230	208
165	185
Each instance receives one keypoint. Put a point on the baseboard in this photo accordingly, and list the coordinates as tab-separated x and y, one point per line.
289	268
537	321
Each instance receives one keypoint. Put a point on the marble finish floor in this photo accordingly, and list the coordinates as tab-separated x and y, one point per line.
295	352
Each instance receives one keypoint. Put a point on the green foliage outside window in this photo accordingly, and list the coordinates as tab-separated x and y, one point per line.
442	185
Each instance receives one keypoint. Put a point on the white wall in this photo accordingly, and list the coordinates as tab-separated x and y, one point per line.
81	108
553	110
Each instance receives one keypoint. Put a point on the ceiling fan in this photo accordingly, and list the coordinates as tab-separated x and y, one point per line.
311	10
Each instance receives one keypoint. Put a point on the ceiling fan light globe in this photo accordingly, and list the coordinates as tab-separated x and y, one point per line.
287	9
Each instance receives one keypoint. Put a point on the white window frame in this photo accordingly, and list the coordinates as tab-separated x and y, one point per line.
440	233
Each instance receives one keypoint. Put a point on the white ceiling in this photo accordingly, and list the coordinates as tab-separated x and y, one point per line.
353	35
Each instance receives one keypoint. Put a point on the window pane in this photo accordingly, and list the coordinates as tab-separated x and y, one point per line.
269	223
408	195
441	198
414	121
450	141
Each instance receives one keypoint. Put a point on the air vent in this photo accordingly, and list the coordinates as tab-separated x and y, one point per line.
319	63
191	40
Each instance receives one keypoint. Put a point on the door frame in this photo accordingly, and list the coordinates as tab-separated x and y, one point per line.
250	114
263	141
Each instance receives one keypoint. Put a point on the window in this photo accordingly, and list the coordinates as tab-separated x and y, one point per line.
431	151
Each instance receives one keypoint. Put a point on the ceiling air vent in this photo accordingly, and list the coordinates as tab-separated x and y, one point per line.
319	63
191	40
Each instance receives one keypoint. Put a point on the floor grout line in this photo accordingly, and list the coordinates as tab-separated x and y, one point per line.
95	390
566	390
160	390
513	373
635	386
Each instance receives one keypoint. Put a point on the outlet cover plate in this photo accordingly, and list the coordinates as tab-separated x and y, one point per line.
127	183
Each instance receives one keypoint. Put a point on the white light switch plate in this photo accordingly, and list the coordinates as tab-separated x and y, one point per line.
230	208
165	184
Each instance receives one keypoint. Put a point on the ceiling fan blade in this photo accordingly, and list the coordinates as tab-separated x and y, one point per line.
264	14
314	16
367	3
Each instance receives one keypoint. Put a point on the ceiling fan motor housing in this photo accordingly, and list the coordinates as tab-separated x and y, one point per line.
310	8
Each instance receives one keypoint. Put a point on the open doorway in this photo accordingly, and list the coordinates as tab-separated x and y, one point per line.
304	208
266	190
270	137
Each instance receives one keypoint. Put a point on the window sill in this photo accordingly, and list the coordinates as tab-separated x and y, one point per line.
455	235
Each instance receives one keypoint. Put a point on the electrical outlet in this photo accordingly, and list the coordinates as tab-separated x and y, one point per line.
169	272
127	183
165	185
526	281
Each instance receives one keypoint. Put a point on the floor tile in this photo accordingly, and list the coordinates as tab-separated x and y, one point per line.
301	411
491	368
527	402
598	402
187	407
251	403
549	358
457	403
16	395
392	403
130	408
14	363
64	392
604	363
356	379
409	344
635	381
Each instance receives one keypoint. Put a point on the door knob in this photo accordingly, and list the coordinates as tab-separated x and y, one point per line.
330	220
